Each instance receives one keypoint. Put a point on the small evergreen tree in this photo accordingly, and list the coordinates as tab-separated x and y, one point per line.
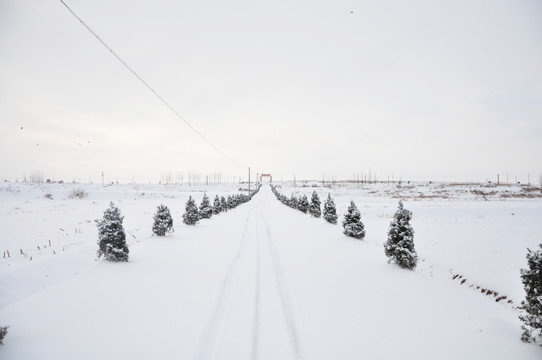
3	333
352	223
303	204
216	206
314	208
400	245
283	199
330	211
205	209
231	202
163	223
111	236
223	204
234	201
191	215
293	202
532	305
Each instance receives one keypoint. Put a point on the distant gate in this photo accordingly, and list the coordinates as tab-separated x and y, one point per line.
266	175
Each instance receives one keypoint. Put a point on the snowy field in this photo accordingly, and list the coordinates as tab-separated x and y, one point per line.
263	281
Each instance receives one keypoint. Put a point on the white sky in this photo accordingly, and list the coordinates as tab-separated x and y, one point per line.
311	88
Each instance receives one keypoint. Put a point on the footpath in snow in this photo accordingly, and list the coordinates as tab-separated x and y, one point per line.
262	281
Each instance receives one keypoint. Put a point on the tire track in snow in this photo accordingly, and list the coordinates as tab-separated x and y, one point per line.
208	338
256	315
287	307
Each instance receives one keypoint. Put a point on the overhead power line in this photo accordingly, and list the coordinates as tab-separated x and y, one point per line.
147	85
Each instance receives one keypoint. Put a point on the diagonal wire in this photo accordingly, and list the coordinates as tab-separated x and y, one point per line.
147	85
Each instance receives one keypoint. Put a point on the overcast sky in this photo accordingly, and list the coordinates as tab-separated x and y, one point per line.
311	88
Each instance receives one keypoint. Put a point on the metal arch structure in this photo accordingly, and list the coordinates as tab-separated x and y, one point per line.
266	175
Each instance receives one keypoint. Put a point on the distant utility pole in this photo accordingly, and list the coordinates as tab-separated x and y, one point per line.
497	179
249	180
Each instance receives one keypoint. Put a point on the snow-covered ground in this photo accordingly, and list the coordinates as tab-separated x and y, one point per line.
264	281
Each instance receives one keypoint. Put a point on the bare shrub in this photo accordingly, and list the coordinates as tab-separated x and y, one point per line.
36	176
78	193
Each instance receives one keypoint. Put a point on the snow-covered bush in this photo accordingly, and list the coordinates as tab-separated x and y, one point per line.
303	204
111	236
163	223
205	209
400	245
330	211
532	305
216	206
314	208
191	215
352	223
3	333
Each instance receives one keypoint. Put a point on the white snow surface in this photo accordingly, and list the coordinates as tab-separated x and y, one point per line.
261	281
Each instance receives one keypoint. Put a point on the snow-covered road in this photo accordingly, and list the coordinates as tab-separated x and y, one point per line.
252	306
262	281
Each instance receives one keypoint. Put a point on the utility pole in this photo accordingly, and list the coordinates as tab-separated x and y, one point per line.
249	181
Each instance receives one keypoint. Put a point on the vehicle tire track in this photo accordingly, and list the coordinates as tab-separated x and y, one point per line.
208	338
257	302
287	307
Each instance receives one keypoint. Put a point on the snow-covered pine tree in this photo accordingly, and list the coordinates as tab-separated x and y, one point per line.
283	199
163	222
293	202
235	200
3	333
303	205
223	204
111	236
205	209
532	305
314	208
400	245
330	211
231	202
216	206
191	215
352	223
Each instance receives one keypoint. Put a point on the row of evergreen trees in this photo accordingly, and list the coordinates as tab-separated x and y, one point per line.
112	238
313	208
221	204
399	247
